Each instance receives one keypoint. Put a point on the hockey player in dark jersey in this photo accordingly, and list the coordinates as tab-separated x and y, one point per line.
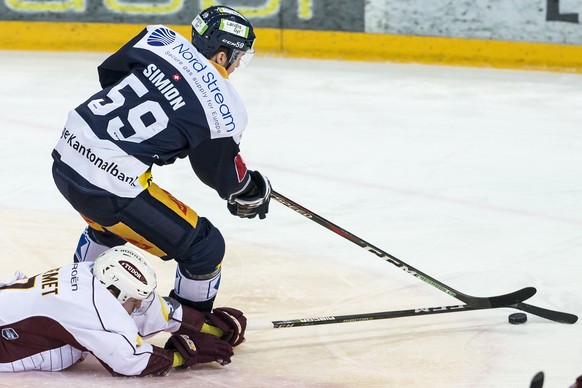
164	97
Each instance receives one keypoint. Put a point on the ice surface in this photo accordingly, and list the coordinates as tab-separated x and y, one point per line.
471	175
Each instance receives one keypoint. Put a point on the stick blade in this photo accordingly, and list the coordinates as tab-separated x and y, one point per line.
504	300
552	315
537	381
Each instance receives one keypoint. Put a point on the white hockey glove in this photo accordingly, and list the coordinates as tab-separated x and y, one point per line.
254	200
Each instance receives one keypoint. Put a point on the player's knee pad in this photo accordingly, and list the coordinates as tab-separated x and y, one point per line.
205	253
92	243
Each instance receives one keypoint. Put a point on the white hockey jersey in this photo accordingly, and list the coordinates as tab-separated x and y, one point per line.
50	321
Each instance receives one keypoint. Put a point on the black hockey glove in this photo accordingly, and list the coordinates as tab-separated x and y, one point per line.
198	348
254	200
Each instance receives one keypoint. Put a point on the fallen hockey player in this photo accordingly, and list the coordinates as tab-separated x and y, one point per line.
51	321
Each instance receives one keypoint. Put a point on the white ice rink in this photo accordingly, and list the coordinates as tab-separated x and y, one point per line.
473	176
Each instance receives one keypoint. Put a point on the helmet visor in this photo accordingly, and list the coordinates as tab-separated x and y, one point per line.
145	304
241	58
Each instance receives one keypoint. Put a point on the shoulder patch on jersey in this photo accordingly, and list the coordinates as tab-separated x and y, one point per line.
161	36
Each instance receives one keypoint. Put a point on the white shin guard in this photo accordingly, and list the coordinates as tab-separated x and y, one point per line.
197	290
87	248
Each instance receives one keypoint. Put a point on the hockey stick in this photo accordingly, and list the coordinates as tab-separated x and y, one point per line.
473	301
552	315
556	316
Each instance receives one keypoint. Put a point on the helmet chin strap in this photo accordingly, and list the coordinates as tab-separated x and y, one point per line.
228	65
232	59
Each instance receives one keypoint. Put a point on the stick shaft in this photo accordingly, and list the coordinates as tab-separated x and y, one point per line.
556	316
332	319
495	301
512	300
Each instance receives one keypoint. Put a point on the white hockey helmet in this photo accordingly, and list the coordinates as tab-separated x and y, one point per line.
125	271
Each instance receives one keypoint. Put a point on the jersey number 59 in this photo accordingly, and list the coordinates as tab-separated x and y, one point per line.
131	127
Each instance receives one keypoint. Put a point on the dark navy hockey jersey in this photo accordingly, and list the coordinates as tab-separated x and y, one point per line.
161	100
